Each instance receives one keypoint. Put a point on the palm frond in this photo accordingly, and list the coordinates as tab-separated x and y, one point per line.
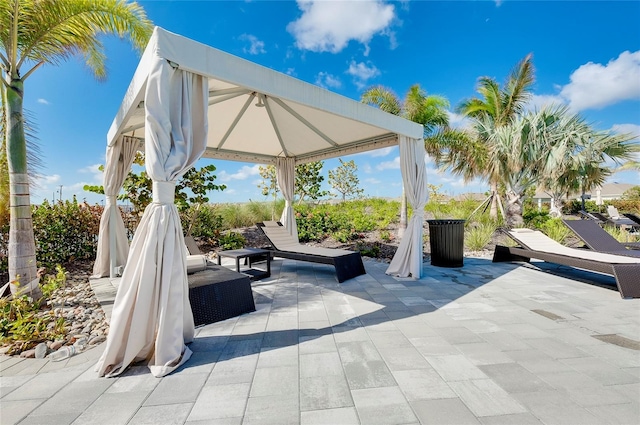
53	31
383	98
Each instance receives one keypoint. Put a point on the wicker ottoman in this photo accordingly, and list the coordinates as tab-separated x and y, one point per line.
218	293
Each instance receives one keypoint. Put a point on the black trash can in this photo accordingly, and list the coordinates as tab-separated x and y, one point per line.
446	238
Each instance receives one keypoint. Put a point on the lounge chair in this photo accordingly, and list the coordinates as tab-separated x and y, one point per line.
598	239
348	264
603	220
632	217
535	244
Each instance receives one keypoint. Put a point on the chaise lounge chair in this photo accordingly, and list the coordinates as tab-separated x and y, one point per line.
598	239
535	244
348	264
602	220
633	217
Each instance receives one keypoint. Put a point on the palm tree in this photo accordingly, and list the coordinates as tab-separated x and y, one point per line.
38	32
496	107
428	110
552	147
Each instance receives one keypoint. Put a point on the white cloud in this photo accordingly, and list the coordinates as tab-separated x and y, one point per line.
372	181
632	129
46	180
242	174
539	101
328	26
594	86
326	80
95	170
394	164
458	120
256	46
43	101
362	72
366	168
382	152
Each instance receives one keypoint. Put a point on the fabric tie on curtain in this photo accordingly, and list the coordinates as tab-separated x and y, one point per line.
152	317
120	156
408	258
286	174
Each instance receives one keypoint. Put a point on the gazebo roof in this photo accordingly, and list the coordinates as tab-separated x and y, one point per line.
257	114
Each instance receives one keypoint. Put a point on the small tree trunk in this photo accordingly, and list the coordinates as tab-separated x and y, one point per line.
514	209
493	212
22	247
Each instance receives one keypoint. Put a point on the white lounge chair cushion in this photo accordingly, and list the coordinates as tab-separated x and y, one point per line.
283	241
538	241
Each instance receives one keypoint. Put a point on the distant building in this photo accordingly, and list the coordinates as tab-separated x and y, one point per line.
608	192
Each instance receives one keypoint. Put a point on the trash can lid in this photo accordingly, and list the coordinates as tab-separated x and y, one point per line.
445	221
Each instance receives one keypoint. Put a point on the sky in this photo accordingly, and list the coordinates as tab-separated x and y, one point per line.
586	56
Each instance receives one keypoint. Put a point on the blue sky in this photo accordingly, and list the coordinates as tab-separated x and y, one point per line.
586	55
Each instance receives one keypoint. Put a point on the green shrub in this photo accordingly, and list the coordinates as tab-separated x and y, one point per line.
24	324
207	223
314	226
231	240
385	236
65	231
346	235
534	218
368	250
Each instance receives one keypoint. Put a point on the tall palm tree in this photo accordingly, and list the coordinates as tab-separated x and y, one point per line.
38	32
552	147
496	107
428	110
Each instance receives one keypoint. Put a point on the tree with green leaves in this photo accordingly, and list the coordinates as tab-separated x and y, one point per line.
191	189
345	181
419	107
549	145
309	181
38	32
269	185
496	107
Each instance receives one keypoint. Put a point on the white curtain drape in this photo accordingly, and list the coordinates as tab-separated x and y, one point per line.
286	174
152	318
408	258
120	156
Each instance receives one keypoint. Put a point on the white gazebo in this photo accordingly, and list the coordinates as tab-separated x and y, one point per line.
186	101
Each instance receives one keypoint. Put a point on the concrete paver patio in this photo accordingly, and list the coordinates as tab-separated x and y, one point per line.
482	344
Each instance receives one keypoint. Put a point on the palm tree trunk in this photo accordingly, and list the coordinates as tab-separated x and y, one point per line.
493	212
22	247
514	209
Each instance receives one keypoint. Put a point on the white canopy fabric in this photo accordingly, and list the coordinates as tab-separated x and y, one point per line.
408	258
152	317
286	175
121	156
255	115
